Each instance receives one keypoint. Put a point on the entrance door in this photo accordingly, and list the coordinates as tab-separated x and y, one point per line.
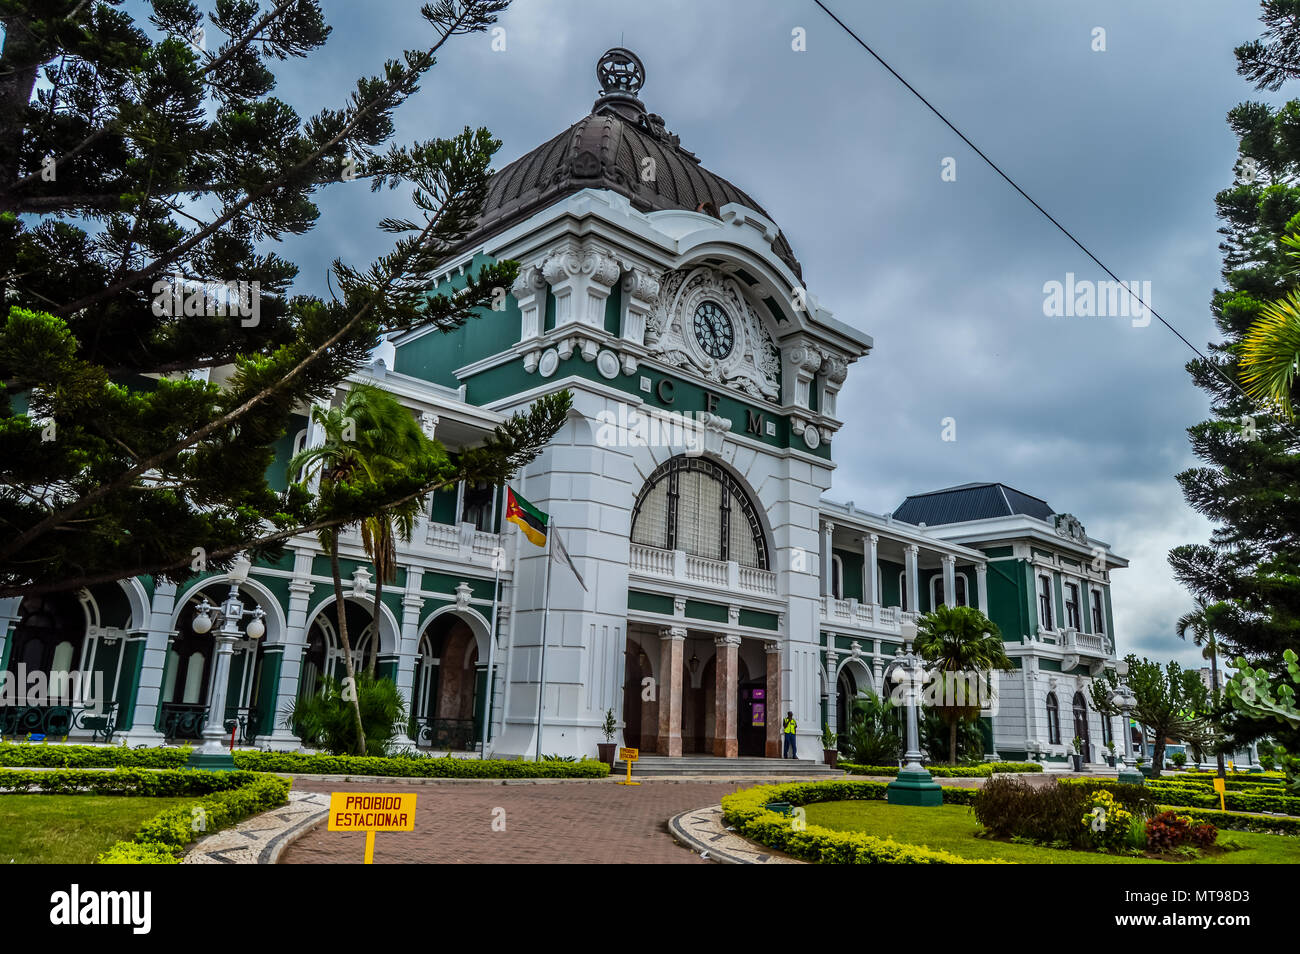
752	713
1080	712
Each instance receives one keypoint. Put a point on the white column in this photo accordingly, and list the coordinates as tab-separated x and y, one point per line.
529	290
913	590
828	571
982	587
408	647
832	689
950	580
149	691
870	549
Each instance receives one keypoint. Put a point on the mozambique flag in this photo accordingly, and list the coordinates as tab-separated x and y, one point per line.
529	519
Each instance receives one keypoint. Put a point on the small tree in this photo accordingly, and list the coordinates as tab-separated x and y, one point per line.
963	646
1170	701
873	735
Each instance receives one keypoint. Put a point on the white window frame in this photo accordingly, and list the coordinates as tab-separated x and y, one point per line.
1098	622
1051	602
1078	605
938	578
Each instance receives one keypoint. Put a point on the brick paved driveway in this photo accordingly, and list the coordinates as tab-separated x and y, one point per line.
567	822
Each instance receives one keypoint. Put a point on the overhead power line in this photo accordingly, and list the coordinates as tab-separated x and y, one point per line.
1047	215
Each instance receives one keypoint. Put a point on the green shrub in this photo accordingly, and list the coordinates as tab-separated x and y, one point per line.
946	771
1199	796
874	732
46	755
1168	831
1179	759
1050	814
162	839
149	783
747	813
327	719
1107	825
1235	821
406	766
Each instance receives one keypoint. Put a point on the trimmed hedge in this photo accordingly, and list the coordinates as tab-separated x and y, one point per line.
45	755
1235	821
162	839
41	755
1231	783
148	783
1198	796
747	813
983	770
446	767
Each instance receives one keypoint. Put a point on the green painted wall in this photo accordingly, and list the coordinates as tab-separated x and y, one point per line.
511	378
1007	607
852	564
713	612
436	356
890	591
277	476
650	602
268	690
758	619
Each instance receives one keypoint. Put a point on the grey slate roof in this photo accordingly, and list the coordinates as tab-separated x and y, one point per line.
606	150
970	502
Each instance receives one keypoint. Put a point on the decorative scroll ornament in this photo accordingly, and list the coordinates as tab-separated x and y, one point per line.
752	365
1068	526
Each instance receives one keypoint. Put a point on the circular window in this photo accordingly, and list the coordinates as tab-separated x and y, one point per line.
714	331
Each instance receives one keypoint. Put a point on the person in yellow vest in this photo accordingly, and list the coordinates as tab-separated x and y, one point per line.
788	729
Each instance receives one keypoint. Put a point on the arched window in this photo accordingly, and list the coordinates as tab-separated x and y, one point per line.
692	504
936	590
1053	720
1079	709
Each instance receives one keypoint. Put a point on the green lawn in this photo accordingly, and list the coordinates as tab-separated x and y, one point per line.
953	828
71	829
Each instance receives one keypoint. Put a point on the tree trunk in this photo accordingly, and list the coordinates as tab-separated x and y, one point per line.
347	646
1158	755
374	639
952	742
1214	686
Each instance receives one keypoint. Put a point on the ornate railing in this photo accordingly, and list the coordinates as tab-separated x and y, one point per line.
182	721
853	613
677	564
99	722
452	735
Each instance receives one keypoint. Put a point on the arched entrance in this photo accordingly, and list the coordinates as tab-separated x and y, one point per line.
449	686
187	673
640	697
1079	709
43	671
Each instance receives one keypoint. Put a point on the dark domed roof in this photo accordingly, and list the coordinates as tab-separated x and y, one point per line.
607	150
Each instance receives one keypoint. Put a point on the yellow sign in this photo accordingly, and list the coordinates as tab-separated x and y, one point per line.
1220	787
629	756
371	812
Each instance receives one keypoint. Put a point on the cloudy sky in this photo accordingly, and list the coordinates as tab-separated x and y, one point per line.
1126	146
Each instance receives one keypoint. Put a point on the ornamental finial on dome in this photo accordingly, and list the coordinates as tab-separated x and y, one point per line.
620	71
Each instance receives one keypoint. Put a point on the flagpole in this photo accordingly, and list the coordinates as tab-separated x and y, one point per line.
546	614
498	558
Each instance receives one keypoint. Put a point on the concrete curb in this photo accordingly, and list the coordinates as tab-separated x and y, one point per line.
261	839
705	832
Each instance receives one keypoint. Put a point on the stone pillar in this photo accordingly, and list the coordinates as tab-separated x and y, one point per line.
950	580
913	600
408	647
772	728
581	278
726	686
832	688
149	690
672	641
870	562
529	290
982	587
828	568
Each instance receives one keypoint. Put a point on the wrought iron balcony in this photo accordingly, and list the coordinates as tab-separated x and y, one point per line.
98	722
451	735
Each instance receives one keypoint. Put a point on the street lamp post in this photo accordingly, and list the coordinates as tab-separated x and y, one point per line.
914	785
1124	700
214	754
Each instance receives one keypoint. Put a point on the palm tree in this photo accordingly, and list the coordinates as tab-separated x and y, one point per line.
1269	354
1197	623
364	440
963	645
